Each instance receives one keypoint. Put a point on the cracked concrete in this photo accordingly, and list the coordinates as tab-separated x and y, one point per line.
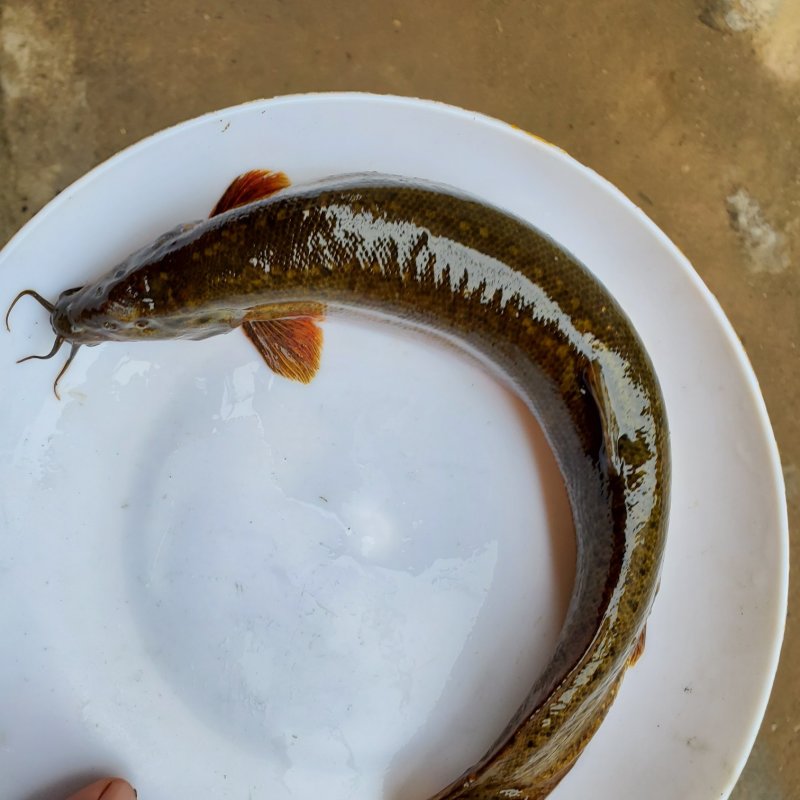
692	112
767	248
775	25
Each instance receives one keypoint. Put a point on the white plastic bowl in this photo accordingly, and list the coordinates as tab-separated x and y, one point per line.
221	584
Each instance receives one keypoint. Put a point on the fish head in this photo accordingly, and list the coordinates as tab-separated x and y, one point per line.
138	299
86	316
67	321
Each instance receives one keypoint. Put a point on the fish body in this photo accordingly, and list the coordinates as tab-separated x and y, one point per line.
429	256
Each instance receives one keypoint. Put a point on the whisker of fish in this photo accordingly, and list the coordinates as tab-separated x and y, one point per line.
28	293
56	347
70	357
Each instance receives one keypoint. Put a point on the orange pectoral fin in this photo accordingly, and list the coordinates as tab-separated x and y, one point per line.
291	347
249	187
638	648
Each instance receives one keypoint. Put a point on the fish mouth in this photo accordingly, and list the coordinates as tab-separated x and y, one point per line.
64	327
67	324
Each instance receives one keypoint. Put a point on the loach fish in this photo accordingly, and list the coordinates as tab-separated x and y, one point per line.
273	259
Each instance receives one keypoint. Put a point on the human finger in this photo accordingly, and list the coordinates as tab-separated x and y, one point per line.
106	789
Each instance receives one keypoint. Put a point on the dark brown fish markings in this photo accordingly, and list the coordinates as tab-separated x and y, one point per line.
273	262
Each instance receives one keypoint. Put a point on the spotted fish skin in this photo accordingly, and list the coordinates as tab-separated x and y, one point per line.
432	257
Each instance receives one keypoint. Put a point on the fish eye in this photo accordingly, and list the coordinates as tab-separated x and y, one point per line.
141	323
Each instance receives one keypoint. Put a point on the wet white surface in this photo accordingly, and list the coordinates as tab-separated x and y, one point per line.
272	571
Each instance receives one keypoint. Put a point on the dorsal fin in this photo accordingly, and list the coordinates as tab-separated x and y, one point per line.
249	187
290	347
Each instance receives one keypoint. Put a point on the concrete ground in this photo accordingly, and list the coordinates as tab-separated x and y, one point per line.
691	107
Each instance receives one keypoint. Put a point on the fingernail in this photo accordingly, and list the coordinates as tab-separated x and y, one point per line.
118	790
